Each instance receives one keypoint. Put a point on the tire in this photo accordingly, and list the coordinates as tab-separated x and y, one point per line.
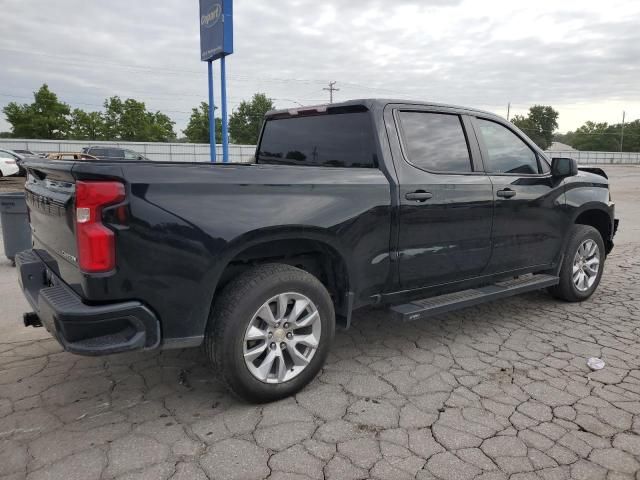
242	304
568	289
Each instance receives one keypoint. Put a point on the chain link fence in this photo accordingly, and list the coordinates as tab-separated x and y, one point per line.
199	152
602	158
161	152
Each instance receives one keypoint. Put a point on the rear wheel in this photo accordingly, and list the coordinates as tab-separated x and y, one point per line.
582	266
270	331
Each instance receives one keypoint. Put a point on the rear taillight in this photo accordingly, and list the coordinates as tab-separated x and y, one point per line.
96	243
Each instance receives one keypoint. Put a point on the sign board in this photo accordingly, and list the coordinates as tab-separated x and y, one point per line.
216	29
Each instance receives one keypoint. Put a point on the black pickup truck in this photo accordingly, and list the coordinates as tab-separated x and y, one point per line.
422	207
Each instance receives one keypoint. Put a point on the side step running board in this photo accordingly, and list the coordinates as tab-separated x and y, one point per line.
454	301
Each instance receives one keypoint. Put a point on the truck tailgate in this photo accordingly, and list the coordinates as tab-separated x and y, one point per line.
49	192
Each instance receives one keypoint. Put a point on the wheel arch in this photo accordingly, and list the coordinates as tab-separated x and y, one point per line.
598	217
312	250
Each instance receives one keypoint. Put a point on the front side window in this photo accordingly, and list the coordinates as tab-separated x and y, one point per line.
330	140
435	142
129	155
544	165
506	152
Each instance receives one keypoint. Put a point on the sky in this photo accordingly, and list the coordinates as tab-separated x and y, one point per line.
581	57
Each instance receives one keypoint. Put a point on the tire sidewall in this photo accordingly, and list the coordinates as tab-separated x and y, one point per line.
234	367
585	234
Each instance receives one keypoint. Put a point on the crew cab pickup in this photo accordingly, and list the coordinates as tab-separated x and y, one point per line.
422	207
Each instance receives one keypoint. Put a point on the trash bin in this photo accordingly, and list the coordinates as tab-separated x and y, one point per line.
16	233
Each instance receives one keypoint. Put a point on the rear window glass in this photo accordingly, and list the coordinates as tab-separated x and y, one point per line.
331	140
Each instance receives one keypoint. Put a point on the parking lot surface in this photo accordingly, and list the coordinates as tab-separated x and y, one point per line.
491	392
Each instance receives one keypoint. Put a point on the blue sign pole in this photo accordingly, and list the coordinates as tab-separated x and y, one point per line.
212	121
225	126
216	42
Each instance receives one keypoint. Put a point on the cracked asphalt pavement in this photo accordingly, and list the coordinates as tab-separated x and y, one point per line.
492	392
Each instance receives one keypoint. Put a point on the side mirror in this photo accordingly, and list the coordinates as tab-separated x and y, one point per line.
564	167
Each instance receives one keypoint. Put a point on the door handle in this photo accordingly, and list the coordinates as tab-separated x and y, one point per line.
506	193
418	196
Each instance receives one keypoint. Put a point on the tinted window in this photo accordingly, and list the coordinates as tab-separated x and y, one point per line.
332	140
99	152
435	141
544	166
507	153
9	155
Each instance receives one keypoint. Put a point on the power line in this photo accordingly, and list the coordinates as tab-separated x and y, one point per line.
150	98
150	68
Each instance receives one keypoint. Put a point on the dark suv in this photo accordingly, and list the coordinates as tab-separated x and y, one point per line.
113	153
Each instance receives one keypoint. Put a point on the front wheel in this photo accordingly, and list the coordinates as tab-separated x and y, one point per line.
270	331
582	266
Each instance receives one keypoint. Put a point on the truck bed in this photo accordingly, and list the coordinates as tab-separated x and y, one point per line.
185	221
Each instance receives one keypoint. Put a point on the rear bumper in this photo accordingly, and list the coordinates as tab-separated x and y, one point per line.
80	328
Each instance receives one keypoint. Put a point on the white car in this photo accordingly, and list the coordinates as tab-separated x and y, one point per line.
8	166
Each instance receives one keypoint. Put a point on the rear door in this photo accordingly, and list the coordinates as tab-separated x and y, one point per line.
528	224
445	199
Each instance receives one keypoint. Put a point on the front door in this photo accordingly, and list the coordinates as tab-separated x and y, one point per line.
446	204
528	222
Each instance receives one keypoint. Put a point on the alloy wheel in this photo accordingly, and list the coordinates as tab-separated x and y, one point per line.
586	264
282	338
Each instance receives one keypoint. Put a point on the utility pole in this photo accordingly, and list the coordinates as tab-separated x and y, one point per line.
622	132
331	89
508	110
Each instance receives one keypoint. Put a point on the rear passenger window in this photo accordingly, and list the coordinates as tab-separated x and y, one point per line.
435	142
330	140
99	152
506	152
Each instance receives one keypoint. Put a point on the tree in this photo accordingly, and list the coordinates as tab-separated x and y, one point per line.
594	136
130	121
631	142
86	125
539	124
602	137
46	117
197	130
127	120
246	121
159	127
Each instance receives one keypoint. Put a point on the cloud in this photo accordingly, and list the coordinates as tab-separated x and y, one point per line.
578	56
